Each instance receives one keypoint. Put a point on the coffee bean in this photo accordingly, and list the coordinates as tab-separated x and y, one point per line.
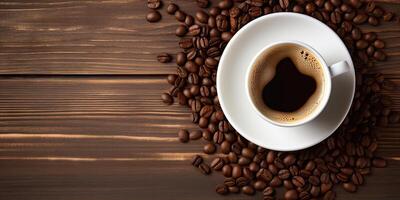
264	174
291	195
379	44
197	160
180	15
164	58
236	171
225	4
249	190
289	160
298	181
153	4
373	21
336	17
166	98
153	16
315	191
180	58
284	174
379	162
172	8
379	55
202	3
310	7
201	16
388	16
298	9
330	195
349	187
195	135
275	182
181	31
209	148
360	18
171	78
218	137
217	163
221	189
227	170
357	178
244	161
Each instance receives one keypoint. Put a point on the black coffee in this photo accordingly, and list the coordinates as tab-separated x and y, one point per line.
286	83
289	90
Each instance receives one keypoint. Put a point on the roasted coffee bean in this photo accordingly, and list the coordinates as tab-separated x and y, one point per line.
289	160
379	44
164	58
349	187
259	185
388	16
153	4
315	191
273	169
297	9
195	135
232	157
373	21
247	152
202	16
172	8
379	55
291	195
203	3
244	161
284	174
269	191
206	135
171	78
330	195
264	174
275	182
180	59
217	163
218	137
204	168
225	4
254	167
225	147
236	171
221	189
197	160
379	162
209	148
336	17
229	182
357	178
167	99
227	170
181	31
153	16
298	181
249	190
180	16
360	18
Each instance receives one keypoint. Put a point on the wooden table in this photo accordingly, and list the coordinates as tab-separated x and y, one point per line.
80	109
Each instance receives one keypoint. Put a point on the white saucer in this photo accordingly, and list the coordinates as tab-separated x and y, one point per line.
237	57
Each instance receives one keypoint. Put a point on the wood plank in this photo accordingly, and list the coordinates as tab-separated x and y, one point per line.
111	138
102	37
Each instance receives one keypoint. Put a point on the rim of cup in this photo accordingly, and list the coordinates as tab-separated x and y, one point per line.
327	85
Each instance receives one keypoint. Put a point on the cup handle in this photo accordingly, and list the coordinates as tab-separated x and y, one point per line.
339	68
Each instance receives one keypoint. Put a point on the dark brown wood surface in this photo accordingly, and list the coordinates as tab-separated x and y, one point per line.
80	109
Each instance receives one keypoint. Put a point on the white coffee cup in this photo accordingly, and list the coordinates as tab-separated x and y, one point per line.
329	72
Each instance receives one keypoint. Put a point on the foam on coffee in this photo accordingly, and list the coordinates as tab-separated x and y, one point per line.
264	69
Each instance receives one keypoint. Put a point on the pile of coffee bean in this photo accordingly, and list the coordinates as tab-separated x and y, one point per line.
345	158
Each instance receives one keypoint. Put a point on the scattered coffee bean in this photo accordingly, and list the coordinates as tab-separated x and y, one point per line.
249	190
167	99
209	148
197	160
291	195
183	135
153	16
172	8
379	162
349	187
153	4
221	189
164	58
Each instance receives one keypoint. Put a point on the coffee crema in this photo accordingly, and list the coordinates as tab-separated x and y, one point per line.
286	83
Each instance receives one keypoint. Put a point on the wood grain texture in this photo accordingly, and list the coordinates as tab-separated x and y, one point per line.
112	138
109	137
101	37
